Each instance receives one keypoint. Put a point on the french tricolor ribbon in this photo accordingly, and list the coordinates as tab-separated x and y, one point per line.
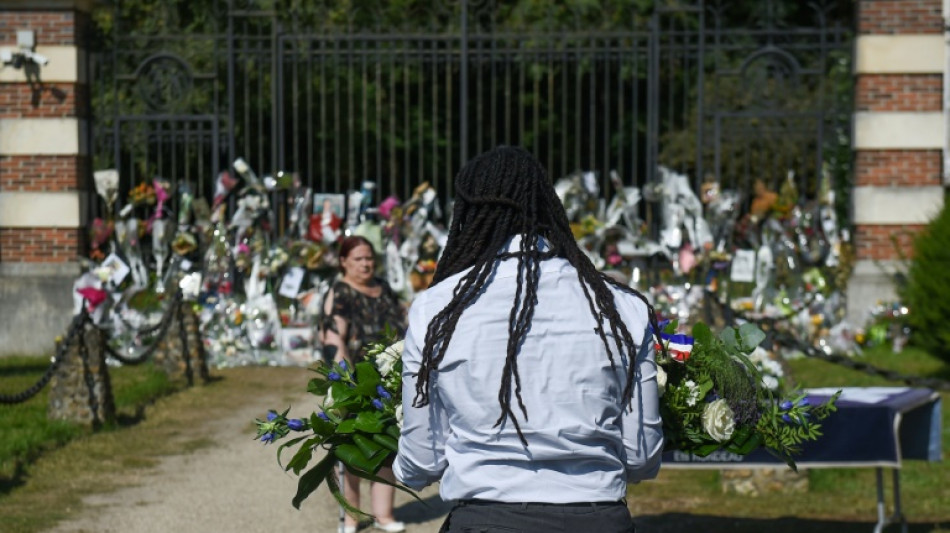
678	345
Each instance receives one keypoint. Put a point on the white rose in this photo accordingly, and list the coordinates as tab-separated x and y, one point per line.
661	379
718	420
770	382
399	416
386	359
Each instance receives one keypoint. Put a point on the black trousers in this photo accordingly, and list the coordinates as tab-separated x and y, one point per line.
477	516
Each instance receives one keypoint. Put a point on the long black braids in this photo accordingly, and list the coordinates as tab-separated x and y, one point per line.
499	194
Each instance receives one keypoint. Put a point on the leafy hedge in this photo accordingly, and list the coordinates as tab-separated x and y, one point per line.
927	292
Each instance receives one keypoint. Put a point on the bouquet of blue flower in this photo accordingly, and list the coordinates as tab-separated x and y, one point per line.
357	424
713	396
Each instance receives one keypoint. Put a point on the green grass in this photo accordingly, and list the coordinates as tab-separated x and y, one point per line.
28	433
96	462
838	500
53	465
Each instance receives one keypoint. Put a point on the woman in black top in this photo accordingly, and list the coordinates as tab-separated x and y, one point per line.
356	310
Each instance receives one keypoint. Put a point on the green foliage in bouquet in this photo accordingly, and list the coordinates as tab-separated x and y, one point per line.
927	286
713	397
357	424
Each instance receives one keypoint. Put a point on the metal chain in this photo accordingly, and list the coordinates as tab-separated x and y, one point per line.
78	329
790	341
161	327
79	321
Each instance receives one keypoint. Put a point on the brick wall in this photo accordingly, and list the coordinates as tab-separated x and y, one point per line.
897	168
38	173
899	16
32	102
39	245
880	242
898	176
887	90
51	27
899	92
49	100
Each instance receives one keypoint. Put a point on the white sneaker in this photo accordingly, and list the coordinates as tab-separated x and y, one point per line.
392	527
349	529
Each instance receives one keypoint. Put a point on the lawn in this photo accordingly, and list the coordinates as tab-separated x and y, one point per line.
49	466
28	433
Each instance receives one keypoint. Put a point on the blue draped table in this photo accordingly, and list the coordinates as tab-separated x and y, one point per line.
874	427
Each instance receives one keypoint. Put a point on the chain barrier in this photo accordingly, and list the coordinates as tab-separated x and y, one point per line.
161	328
788	340
76	326
76	333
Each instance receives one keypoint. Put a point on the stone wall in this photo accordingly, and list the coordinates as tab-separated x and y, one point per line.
188	365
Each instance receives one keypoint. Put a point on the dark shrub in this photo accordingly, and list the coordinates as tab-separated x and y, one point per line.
927	292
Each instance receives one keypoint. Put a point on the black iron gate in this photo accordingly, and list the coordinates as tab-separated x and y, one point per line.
342	96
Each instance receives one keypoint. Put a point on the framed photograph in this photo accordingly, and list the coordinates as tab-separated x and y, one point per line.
117	269
334	202
743	266
297	345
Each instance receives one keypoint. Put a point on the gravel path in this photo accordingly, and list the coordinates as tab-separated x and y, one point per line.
233	486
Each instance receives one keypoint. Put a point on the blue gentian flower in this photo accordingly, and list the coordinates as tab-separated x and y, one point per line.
323	415
804	402
377	404
271	416
295	424
333	376
787	418
383	392
268	437
786	405
344	367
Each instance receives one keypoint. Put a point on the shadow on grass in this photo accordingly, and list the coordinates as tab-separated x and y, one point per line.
18	479
26	368
683	523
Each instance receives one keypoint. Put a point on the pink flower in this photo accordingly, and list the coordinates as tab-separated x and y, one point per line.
94	297
386	206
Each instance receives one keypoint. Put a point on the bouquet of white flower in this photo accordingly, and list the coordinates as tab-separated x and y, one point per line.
713	396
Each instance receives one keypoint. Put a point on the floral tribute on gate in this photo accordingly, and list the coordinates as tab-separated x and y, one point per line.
712	397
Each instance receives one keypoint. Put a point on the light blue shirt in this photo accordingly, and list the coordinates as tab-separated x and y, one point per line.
582	445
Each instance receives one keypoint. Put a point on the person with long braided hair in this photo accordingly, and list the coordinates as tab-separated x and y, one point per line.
515	304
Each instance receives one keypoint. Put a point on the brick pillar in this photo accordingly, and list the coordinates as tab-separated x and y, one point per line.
44	168
899	136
